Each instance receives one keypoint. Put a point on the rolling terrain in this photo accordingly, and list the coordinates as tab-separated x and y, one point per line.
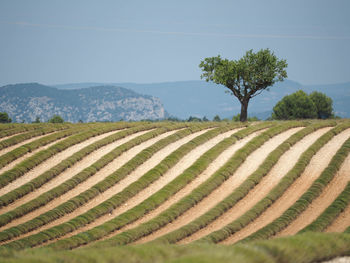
175	191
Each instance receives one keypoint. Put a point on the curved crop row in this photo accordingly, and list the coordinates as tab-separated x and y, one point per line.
168	190
331	213
276	192
39	157
306	199
29	147
12	129
113	179
241	191
80	177
28	135
189	201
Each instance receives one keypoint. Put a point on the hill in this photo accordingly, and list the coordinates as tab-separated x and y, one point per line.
199	98
102	103
103	186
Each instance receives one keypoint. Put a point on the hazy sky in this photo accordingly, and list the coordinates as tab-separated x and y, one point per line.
64	41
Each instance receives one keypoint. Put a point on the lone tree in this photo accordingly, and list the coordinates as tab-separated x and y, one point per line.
246	77
56	119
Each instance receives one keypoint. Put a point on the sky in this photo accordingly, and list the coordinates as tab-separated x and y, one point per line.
68	41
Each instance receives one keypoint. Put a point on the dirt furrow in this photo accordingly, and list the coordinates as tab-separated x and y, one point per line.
250	165
12	147
51	162
215	165
284	164
67	174
317	164
329	194
117	163
341	223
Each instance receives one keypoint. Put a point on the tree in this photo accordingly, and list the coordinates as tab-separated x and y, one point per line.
37	119
56	119
4	118
246	77
297	105
216	118
324	105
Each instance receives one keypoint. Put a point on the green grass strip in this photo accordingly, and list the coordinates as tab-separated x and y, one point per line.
305	248
241	191
163	194
276	192
75	180
330	213
306	199
31	162
28	135
29	147
196	195
12	129
112	179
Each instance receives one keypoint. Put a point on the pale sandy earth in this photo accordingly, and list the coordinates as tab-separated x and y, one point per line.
341	223
317	164
281	168
51	162
10	148
117	163
65	175
216	164
248	166
328	195
339	260
12	164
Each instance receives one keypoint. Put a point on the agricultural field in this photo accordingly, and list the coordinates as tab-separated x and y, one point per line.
175	192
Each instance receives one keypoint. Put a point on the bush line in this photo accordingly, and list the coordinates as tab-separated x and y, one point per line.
276	192
56	170
241	191
306	199
159	197
29	147
221	175
66	186
330	213
31	162
112	179
19	128
189	201
28	135
108	182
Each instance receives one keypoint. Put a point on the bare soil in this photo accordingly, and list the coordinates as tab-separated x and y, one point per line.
281	168
317	164
249	165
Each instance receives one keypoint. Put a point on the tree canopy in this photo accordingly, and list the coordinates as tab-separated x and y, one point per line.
56	119
4	118
300	105
246	77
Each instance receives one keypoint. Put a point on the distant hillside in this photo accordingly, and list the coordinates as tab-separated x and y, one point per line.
102	103
200	98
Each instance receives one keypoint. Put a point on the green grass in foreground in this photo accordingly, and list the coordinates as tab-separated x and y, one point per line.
308	247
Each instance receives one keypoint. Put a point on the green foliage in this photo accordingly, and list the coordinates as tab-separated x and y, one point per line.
216	118
295	106
4	118
37	120
56	119
238	117
246	77
299	105
323	105
194	119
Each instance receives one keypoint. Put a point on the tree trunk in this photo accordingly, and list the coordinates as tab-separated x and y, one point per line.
244	111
